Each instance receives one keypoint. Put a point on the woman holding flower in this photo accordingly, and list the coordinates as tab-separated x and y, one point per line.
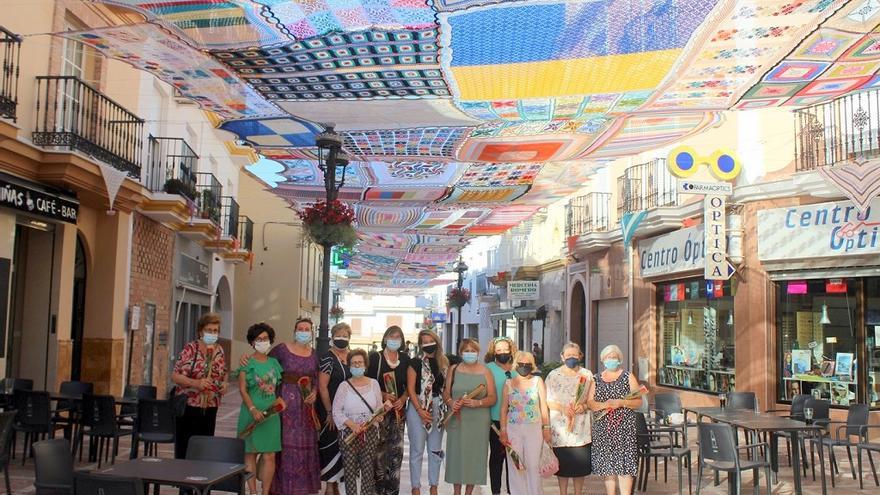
525	424
298	470
257	382
615	452
425	381
568	387
334	371
499	359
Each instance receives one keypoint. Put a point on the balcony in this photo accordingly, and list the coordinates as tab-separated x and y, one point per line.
834	132
587	214
171	167
72	114
229	216
646	186
204	222
246	233
11	58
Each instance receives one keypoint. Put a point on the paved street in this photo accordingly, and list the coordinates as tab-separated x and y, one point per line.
22	477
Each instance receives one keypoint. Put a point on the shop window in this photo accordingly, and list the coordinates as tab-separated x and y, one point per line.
819	335
872	339
696	336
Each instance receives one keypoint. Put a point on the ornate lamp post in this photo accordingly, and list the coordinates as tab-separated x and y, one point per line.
336	295
460	268
330	156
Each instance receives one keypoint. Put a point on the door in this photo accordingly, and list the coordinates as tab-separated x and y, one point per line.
77	324
613	326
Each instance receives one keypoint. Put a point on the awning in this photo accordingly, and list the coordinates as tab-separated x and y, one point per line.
501	315
525	313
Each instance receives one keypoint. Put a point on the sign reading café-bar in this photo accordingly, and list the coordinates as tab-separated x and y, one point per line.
818	231
524	290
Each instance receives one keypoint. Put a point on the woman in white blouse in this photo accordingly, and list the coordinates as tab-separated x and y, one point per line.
570	418
357	399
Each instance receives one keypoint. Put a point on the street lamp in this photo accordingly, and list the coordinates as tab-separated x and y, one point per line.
330	156
460	268
336	302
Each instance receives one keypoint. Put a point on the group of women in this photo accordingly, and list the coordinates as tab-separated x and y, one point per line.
347	412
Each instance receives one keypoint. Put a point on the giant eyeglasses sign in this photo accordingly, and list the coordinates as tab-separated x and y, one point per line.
36	201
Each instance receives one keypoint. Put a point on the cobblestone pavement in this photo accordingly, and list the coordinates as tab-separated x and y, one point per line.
22	476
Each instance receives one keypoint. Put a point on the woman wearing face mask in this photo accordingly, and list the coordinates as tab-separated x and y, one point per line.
392	362
425	381
615	453
200	371
334	371
525	424
468	431
355	403
570	418
297	468
500	363
257	382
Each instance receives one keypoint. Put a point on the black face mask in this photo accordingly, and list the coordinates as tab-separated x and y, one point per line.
340	343
502	358
429	348
524	369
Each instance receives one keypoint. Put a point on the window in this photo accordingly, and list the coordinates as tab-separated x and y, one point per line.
826	327
696	335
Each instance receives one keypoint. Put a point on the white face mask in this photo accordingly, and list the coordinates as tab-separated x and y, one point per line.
263	346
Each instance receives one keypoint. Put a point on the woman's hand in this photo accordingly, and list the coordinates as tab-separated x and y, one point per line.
391	397
312	397
614	403
204	384
257	415
426	416
547	435
329	424
472	403
456	406
388	405
356	429
243	361
503	438
398	404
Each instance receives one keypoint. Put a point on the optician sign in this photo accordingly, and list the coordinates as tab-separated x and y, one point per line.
679	251
524	290
33	199
818	230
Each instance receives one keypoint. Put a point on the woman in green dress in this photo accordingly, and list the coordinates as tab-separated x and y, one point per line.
467	444
257	381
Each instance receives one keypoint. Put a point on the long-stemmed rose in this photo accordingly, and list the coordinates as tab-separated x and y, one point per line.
305	389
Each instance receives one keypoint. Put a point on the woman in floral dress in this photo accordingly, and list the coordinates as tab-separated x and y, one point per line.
298	471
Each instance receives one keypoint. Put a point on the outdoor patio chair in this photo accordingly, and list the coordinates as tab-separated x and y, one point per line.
99	422
656	442
127	412
867	446
742	400
96	484
7	420
219	449
66	415
155	424
719	452
33	418
53	467
796	412
856	418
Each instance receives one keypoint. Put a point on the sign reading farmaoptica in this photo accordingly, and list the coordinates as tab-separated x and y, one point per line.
818	231
679	251
524	290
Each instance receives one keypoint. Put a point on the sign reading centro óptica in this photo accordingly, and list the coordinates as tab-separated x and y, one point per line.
818	231
21	195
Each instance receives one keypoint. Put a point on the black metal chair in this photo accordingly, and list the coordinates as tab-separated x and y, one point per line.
856	418
99	422
821	417
67	412
33	418
220	449
127	412
13	384
7	421
742	400
796	412
96	484
155	424
53	467
656	442
719	452
867	446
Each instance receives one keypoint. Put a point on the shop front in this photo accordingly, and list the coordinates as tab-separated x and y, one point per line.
823	263
683	322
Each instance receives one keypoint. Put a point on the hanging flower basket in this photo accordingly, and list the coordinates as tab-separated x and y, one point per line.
458	297
330	223
337	312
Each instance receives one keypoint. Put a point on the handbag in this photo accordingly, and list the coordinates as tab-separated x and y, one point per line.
549	462
178	397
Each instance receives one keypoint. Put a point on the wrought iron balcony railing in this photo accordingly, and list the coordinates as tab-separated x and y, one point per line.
229	216
72	114
645	186
208	191
246	233
171	167
11	59
588	213
836	131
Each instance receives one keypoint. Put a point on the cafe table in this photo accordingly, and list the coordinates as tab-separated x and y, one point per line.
200	476
767	423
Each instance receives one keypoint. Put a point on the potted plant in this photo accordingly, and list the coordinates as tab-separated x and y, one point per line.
337	313
330	224
182	188
458	297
